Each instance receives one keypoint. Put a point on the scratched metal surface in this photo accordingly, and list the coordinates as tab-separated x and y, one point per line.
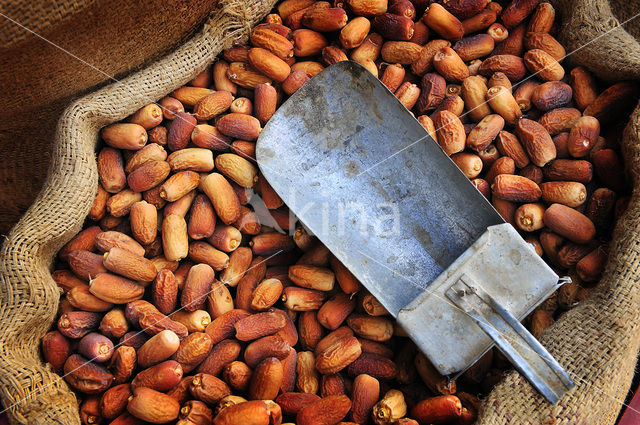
396	226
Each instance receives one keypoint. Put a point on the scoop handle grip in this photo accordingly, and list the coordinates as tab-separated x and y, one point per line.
514	340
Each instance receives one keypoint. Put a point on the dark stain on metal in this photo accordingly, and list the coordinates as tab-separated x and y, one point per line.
352	169
439	253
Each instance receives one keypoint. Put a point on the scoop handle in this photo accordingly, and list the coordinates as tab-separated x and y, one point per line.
514	340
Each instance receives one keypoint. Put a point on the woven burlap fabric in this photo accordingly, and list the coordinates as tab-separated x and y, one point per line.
597	341
39	80
29	297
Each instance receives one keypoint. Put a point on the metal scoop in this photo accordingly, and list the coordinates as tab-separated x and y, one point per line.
363	175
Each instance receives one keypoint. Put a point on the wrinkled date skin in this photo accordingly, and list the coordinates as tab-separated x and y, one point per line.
85	376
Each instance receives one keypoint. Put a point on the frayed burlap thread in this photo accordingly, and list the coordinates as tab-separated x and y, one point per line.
31	391
597	341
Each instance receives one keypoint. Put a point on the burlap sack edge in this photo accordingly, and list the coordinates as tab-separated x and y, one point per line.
598	341
31	391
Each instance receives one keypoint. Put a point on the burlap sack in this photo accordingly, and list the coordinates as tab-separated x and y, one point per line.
34	394
597	342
